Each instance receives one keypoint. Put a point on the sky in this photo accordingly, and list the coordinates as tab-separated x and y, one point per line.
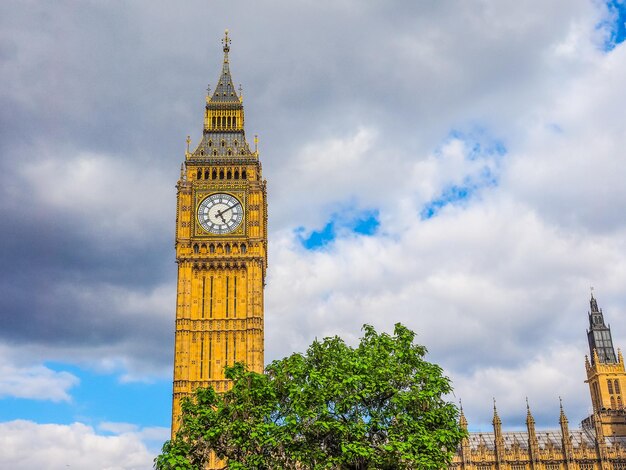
458	167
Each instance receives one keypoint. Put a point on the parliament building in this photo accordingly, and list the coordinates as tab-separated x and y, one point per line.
221	253
598	444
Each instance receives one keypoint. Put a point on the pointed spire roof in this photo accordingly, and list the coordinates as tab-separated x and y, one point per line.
530	421
462	419
599	335
562	417
496	419
223	134
566	438
225	91
593	303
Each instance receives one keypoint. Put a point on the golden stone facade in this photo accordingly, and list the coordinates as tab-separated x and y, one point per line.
599	444
221	249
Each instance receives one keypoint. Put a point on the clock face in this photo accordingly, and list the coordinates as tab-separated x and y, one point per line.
220	213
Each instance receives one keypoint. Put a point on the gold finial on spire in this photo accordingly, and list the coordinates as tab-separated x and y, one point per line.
240	93
208	89
256	143
226	43
188	142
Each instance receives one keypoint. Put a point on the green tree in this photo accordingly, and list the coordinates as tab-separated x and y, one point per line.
377	406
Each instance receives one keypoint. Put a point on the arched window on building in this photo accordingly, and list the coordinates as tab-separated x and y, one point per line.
609	382
617	389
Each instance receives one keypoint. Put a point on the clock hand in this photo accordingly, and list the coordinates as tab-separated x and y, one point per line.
220	213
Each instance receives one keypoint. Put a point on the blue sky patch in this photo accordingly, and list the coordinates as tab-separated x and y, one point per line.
97	398
615	24
484	151
362	223
479	142
451	195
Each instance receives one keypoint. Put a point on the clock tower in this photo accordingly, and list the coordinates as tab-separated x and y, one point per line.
221	249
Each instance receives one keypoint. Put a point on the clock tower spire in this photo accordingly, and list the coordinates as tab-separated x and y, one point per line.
221	249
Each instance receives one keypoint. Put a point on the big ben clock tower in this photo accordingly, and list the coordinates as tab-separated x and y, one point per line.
221	249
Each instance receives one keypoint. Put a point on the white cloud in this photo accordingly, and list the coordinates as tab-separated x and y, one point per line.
555	372
31	446
33	381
